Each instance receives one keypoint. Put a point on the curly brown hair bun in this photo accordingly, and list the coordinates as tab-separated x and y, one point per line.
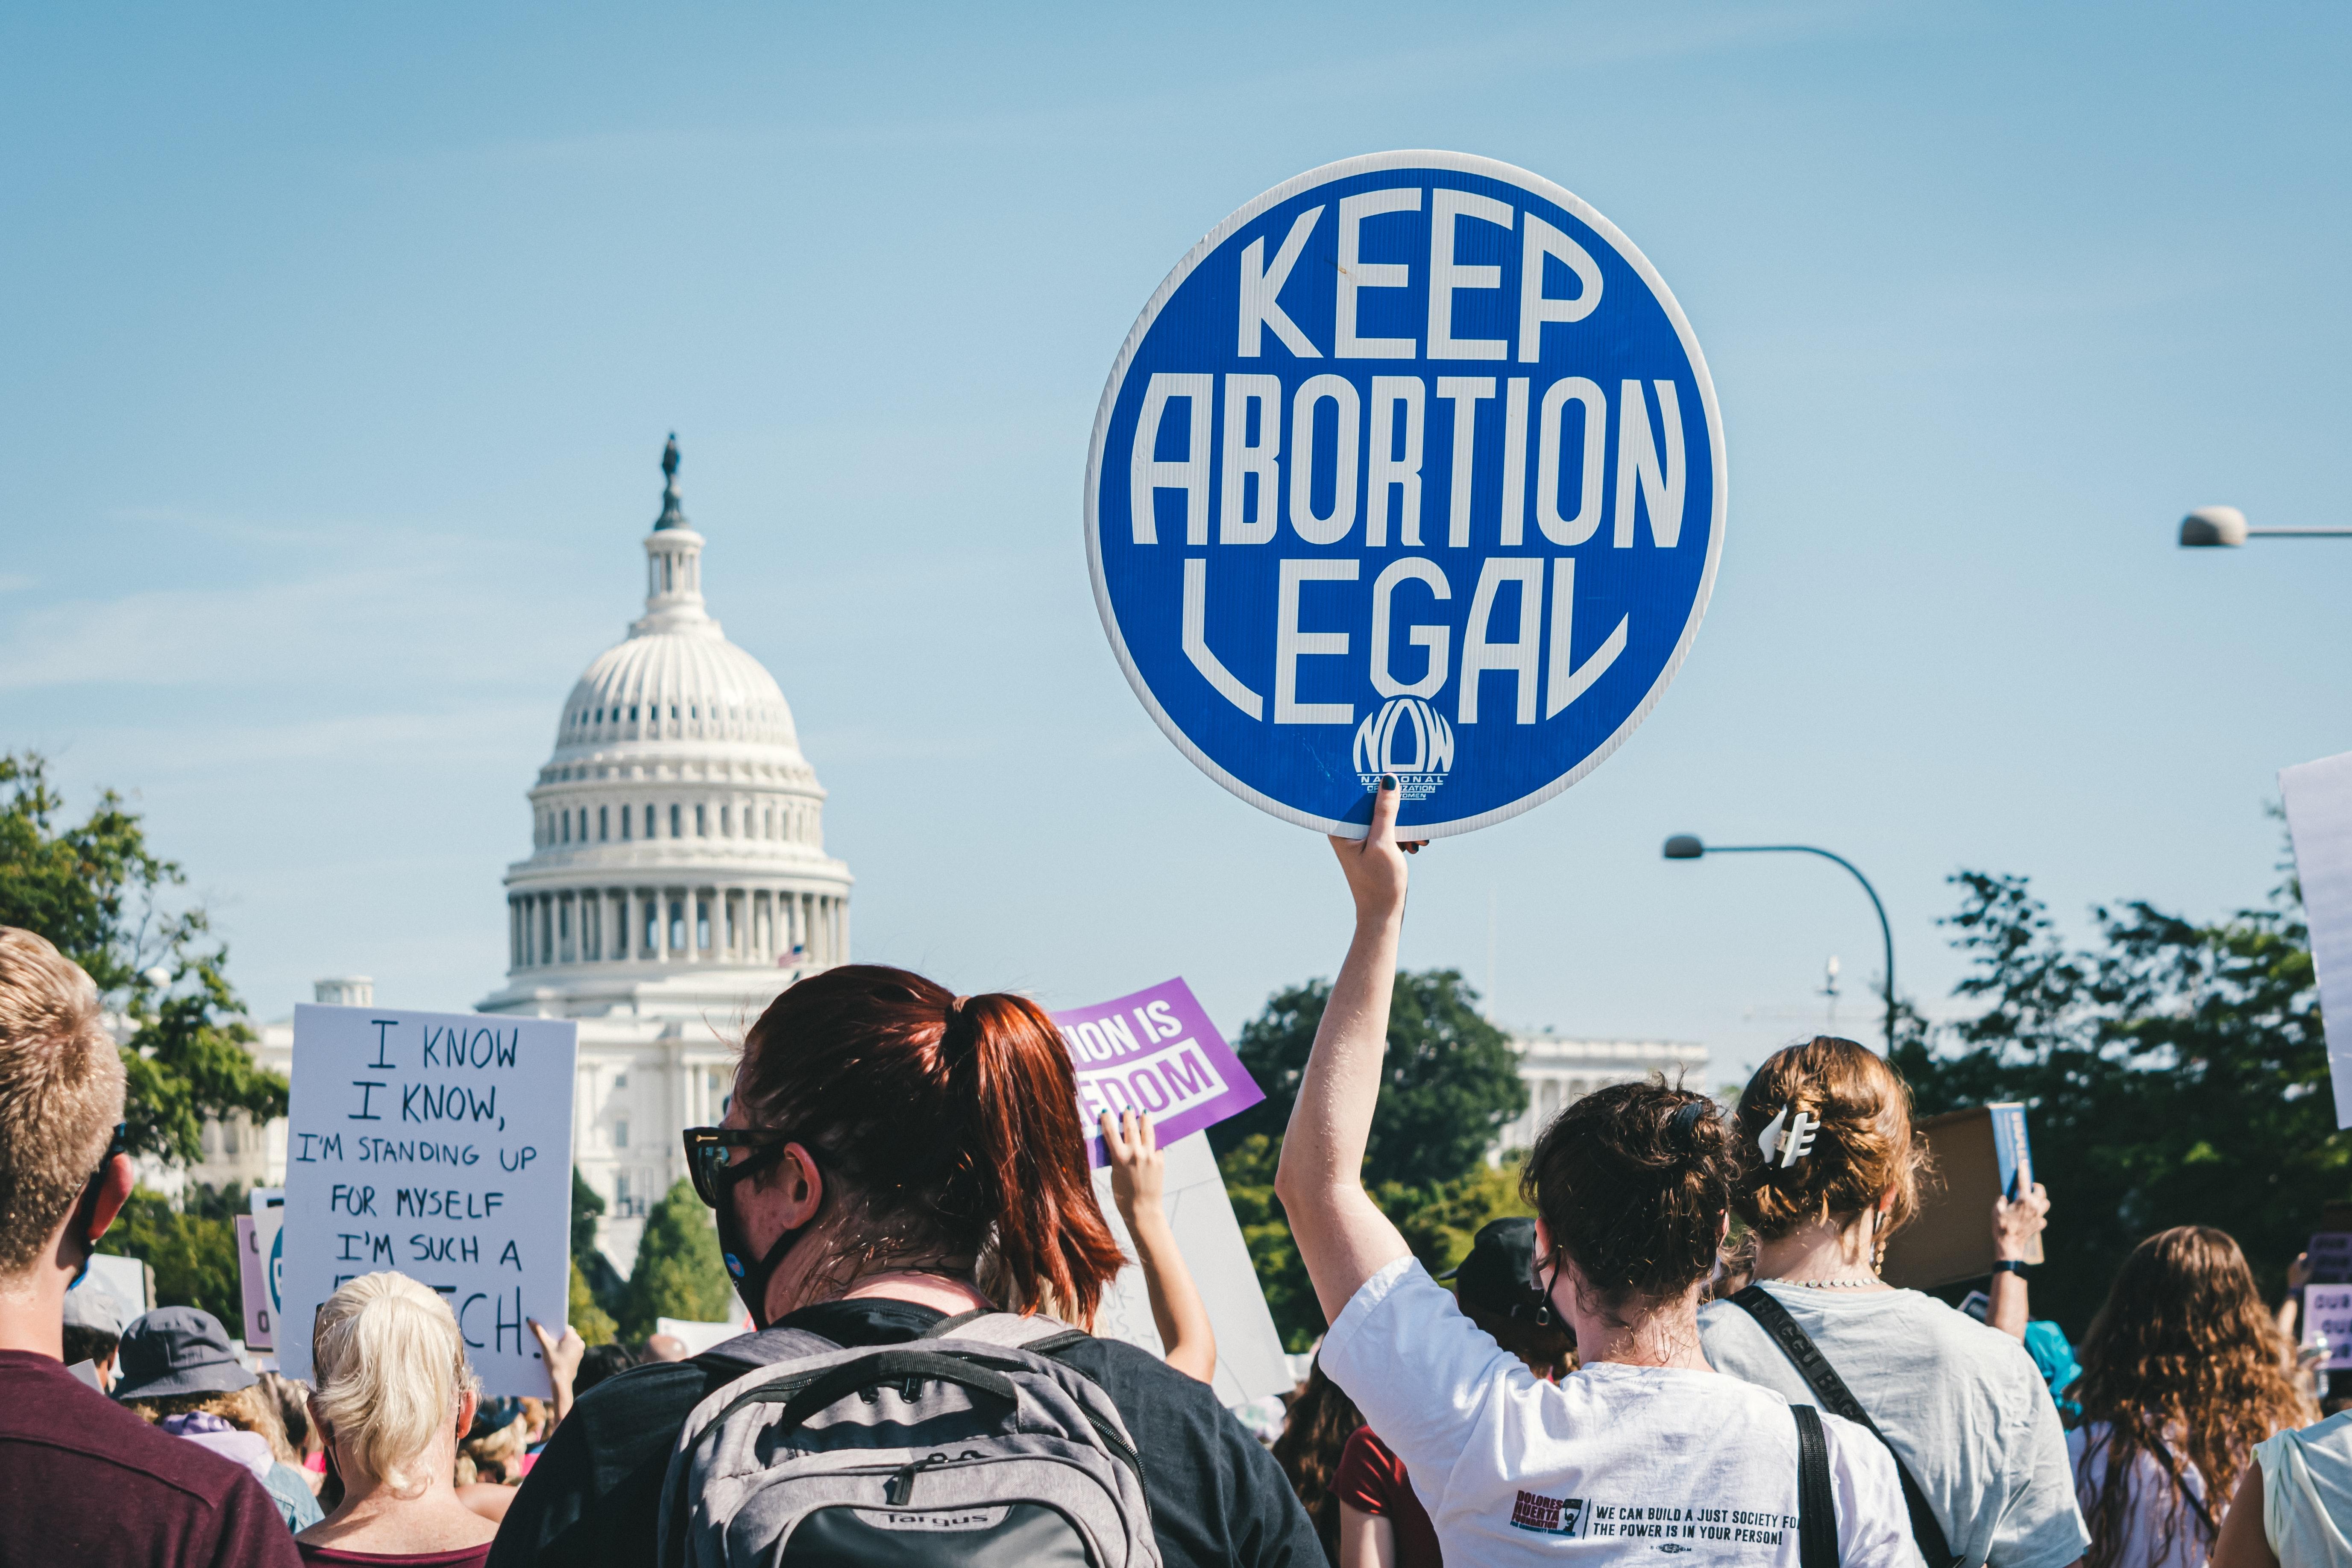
1863	1145
1633	1181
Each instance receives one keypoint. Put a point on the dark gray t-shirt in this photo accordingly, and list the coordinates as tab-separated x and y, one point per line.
1961	1404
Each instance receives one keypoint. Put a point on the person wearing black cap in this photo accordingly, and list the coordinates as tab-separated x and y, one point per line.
1381	1523
93	1329
180	1371
1494	1284
83	1481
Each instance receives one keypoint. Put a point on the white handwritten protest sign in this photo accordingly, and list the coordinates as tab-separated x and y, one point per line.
2318	800
439	1144
2327	1318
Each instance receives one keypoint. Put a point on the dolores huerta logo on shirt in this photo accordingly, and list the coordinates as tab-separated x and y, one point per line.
1549	1515
1572	1517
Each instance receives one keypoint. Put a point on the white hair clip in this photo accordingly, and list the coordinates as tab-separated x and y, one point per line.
1792	1140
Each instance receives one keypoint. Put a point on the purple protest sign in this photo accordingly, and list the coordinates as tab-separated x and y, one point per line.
1157	1052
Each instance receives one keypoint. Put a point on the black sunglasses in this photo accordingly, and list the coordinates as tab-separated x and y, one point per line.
709	1156
119	1145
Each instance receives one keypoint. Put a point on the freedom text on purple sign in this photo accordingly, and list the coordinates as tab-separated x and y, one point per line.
1157	1052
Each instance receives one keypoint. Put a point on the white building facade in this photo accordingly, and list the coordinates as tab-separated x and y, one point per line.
677	882
1559	1071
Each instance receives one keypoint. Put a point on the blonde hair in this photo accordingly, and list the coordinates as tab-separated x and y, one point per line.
496	1451
243	1408
1863	1142
392	1368
60	1093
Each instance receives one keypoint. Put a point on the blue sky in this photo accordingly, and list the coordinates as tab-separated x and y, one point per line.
340	345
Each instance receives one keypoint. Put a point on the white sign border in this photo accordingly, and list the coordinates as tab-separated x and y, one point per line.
1371	163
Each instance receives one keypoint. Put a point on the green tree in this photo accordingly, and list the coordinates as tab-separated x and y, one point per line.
1438	1224
191	1247
2175	1072
1248	1170
100	894
587	1314
602	1282
1450	1084
679	1272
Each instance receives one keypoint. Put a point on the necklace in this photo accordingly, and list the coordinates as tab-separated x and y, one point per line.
1870	1283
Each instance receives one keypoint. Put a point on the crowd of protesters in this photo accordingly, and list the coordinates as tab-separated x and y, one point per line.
1689	1347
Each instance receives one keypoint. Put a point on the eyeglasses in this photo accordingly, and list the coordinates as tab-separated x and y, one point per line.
709	1156
119	1145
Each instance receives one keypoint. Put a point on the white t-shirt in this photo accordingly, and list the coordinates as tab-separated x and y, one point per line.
2161	1530
1962	1403
2308	1494
1614	1464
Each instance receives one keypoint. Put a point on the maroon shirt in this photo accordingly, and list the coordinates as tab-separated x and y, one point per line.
1373	1479
83	1481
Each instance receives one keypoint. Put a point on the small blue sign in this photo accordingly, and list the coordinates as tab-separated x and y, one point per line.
1411	466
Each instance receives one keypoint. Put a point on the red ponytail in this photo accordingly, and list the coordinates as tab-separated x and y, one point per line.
952	1121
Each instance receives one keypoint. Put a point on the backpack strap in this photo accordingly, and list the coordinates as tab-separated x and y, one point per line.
730	1360
1817	1537
2180	1486
1835	1397
1032	1332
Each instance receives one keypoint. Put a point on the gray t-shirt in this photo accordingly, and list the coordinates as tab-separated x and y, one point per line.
1960	1404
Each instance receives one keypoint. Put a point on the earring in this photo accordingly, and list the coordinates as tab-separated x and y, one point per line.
1878	1234
1543	1307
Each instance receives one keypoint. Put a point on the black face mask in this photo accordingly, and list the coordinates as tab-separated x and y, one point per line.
735	1247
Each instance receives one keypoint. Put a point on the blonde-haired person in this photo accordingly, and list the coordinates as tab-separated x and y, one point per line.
1832	1170
394	1394
83	1481
2182	1377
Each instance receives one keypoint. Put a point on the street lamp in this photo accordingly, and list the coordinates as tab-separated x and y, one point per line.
2226	525
1688	846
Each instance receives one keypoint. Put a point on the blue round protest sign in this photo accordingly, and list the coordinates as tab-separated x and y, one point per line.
1411	466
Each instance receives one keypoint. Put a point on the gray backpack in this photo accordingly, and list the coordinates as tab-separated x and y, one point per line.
970	1446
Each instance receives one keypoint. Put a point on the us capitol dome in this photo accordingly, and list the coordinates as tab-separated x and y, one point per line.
678	867
677	882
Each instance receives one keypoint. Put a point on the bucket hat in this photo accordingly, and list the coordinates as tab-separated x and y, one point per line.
178	1350
1498	1274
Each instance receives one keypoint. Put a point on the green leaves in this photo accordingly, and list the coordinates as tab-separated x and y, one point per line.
679	1272
2176	1074
94	890
1451	1084
1452	1081
191	1249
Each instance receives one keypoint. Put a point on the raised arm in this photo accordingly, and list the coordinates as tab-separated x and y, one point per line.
563	1354
2015	1223
1138	1179
2298	1274
1342	1237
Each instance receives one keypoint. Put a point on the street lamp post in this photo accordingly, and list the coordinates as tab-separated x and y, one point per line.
2211	526
1688	846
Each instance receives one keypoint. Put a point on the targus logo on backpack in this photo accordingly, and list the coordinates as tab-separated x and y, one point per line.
1549	1515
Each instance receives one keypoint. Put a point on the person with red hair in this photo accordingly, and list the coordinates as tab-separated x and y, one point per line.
895	1156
